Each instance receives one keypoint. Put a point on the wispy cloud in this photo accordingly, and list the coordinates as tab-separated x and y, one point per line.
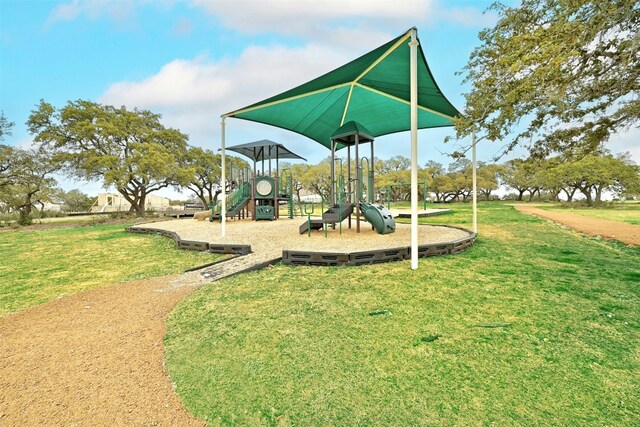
319	19
469	16
182	28
117	11
308	19
626	140
315	19
64	12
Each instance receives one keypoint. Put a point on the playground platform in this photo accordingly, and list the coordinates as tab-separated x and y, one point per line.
260	243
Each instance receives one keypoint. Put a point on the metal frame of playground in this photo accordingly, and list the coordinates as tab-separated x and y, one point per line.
350	85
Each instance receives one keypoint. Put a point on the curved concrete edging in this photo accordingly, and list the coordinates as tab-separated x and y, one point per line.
193	245
311	258
377	256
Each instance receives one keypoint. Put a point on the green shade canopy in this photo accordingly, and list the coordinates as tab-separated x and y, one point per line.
265	150
373	90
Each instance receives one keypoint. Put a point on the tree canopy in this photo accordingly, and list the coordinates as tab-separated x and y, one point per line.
205	176
75	200
129	150
5	126
25	179
559	75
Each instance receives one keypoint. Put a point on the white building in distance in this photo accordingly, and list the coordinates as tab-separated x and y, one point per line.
114	202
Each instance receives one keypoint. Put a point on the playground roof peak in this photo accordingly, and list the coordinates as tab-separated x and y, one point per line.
264	150
373	90
347	133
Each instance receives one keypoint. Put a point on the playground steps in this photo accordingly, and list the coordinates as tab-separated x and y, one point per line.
316	224
235	209
240	264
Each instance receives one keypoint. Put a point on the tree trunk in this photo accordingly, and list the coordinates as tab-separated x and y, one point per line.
531	194
140	205
520	194
587	193
598	194
215	196
570	193
25	215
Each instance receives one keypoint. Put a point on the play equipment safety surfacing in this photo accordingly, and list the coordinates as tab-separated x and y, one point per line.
260	243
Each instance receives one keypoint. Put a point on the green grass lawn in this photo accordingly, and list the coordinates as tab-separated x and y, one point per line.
628	212
384	345
37	266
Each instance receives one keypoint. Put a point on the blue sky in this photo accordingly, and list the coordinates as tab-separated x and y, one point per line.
194	60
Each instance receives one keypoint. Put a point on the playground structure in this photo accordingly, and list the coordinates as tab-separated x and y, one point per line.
389	89
258	196
349	196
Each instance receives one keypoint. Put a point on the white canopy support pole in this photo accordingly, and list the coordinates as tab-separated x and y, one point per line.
475	186
413	57
349	198
358	188
333	173
223	181
371	174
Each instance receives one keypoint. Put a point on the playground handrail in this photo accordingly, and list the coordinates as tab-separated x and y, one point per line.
233	198
286	188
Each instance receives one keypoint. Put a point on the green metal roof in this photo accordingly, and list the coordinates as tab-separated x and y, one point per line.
373	90
263	150
347	132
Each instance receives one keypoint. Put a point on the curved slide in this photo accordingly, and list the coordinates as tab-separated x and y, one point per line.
380	217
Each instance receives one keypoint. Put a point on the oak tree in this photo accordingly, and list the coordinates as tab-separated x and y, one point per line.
129	150
25	180
204	173
556	75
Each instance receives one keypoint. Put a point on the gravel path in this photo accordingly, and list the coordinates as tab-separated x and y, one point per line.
94	358
610	230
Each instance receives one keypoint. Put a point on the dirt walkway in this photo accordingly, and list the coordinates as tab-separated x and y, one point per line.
610	230
94	358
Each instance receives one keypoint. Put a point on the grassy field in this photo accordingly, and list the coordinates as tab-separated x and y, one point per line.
534	325
41	265
629	212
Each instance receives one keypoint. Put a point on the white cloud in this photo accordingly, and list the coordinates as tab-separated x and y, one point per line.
65	12
468	16
118	11
626	140
331	20
193	93
308	17
344	21
179	83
